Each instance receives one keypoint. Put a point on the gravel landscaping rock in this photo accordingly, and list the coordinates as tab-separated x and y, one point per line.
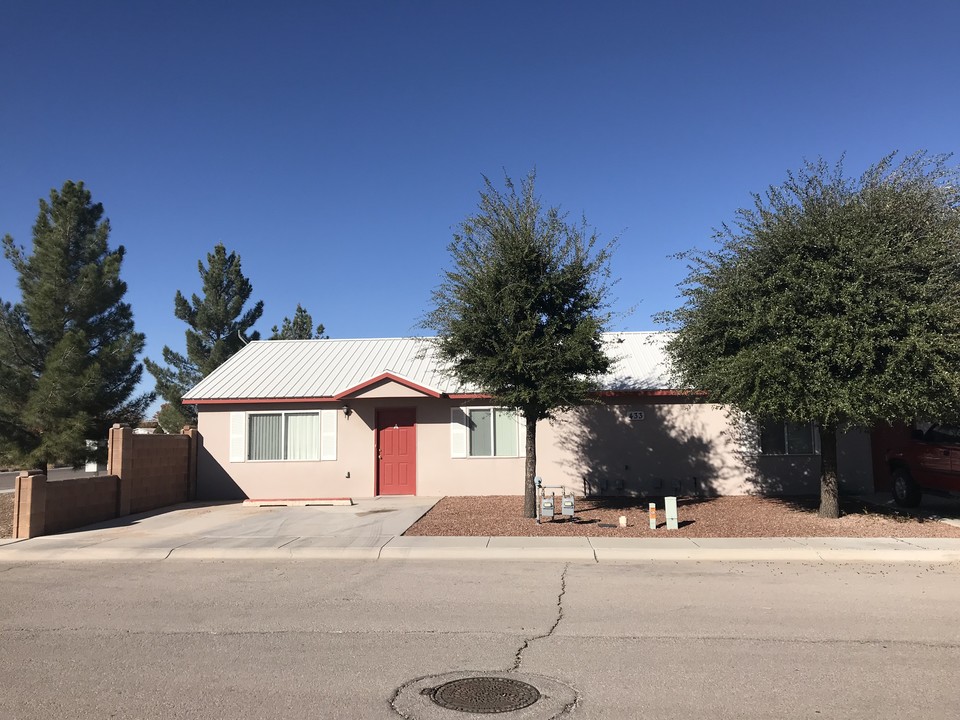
6	514
741	516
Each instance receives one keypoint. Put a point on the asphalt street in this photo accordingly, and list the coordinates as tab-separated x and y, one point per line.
7	478
341	639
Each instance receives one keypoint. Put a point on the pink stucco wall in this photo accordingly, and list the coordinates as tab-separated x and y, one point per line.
681	448
437	472
677	448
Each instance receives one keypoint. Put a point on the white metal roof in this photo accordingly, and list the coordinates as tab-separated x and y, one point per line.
299	369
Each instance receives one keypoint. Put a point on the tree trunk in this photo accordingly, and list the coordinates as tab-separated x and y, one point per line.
829	494
530	469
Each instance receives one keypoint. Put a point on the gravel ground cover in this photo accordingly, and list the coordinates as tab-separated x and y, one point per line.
6	514
714	517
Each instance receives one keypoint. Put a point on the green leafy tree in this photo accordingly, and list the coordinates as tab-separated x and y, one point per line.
218	328
68	350
300	328
832	301
522	310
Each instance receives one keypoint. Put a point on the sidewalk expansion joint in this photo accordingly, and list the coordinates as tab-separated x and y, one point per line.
518	658
906	542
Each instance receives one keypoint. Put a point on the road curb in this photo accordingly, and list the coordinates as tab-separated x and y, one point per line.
26	554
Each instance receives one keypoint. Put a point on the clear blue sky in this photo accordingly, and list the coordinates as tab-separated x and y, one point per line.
336	145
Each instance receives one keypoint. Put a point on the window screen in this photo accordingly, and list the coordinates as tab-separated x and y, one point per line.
481	438
786	438
265	441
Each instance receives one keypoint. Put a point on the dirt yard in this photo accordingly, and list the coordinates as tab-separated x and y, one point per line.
6	514
715	517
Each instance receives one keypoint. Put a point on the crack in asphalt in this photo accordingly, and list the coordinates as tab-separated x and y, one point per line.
518	658
175	548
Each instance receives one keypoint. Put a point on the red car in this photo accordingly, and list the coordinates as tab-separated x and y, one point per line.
928	462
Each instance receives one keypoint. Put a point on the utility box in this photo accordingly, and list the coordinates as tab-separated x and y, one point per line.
546	506
670	507
566	507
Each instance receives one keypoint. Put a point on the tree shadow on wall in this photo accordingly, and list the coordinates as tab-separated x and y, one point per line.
619	453
770	475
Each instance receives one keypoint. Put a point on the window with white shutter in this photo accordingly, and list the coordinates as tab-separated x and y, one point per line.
309	435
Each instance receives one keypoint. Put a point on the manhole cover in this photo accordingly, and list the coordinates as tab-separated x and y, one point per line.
485	695
461	694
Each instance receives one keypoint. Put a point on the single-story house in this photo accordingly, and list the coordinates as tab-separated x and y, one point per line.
365	417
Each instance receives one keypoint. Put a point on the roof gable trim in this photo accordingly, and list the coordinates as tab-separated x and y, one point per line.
389	377
257	401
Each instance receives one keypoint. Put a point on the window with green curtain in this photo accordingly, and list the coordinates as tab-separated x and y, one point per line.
493	432
506	442
265	437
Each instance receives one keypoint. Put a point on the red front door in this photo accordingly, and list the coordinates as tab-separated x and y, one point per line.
397	452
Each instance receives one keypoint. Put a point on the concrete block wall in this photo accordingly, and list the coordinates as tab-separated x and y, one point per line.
161	468
80	501
145	472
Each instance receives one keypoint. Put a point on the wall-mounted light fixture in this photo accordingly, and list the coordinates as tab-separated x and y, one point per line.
346	410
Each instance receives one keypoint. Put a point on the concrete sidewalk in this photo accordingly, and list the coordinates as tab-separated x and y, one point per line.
373	530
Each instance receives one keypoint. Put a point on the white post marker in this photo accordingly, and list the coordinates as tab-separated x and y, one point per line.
670	504
653	516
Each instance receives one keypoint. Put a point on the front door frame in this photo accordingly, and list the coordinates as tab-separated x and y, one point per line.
376	444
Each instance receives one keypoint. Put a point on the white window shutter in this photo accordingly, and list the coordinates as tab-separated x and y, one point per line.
238	436
745	434
458	432
328	434
521	434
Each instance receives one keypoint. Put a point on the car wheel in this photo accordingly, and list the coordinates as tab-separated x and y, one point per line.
906	493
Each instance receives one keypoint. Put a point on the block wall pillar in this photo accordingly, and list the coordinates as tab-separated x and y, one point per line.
120	463
29	504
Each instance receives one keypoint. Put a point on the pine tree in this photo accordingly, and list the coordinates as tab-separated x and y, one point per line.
68	367
218	329
300	328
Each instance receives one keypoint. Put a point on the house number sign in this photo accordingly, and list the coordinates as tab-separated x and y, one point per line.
635	415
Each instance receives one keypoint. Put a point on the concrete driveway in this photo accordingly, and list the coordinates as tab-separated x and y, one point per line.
231	530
